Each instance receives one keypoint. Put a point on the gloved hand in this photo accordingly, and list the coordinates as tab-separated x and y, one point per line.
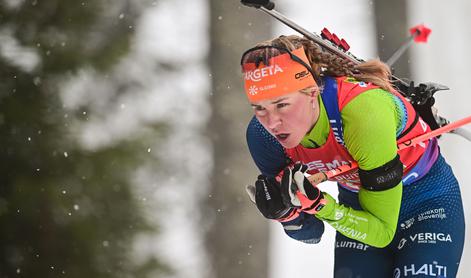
297	191
267	196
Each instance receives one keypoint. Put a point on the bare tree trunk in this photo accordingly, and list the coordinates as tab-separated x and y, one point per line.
237	239
392	31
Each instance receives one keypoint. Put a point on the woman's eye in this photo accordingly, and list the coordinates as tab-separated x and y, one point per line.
259	108
281	105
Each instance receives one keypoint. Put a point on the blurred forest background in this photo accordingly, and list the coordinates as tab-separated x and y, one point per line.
122	131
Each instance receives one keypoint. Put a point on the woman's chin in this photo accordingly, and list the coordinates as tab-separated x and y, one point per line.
288	144
288	140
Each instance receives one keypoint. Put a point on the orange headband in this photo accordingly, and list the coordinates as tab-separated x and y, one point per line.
281	76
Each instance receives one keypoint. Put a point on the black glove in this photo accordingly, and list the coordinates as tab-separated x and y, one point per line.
267	196
297	191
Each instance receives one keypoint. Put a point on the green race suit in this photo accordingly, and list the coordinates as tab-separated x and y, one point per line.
370	122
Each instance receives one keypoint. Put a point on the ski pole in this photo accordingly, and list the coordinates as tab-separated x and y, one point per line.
463	133
418	33
323	176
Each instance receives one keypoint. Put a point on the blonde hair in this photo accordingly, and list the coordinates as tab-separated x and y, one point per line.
325	63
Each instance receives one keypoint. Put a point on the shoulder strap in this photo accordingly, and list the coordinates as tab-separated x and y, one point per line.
331	103
330	99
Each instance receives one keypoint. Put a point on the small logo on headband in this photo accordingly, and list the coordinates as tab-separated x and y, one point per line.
301	74
258	74
253	90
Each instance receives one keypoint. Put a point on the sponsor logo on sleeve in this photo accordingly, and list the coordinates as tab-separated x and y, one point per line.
401	244
437	213
430	238
338	214
351	245
407	224
349	232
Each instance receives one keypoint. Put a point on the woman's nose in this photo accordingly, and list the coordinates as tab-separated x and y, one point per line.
273	121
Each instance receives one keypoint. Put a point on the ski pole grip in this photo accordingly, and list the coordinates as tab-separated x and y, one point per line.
267	4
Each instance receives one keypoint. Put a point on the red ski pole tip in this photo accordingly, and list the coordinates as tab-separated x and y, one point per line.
420	33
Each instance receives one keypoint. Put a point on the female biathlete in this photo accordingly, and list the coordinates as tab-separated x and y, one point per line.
400	214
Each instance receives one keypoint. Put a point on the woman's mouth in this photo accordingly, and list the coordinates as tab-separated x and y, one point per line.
282	137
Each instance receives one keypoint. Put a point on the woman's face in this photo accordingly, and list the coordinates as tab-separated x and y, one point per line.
288	117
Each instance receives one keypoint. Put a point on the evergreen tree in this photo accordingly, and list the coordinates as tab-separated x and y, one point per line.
64	211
